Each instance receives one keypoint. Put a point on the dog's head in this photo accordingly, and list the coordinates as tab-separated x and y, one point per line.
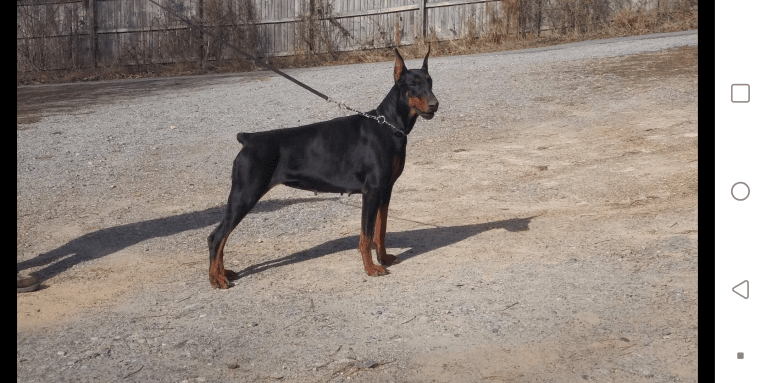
415	86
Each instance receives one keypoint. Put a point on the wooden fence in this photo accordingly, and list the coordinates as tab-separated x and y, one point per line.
72	34
61	34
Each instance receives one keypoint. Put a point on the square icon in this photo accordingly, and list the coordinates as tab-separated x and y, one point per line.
740	355
740	93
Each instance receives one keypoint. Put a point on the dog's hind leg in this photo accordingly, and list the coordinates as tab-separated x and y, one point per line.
248	184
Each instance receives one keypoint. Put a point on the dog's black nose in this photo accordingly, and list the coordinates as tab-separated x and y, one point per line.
433	104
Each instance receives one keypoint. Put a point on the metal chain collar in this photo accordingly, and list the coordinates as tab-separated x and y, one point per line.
379	119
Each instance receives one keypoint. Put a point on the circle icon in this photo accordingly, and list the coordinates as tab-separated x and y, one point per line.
740	191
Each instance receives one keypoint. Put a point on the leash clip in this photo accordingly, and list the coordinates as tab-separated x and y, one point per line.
339	103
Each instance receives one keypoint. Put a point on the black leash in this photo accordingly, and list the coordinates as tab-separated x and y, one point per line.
379	119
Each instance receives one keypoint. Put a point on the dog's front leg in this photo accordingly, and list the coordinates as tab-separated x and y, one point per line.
370	204
379	241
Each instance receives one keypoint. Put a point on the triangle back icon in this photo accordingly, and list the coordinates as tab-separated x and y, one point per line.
746	288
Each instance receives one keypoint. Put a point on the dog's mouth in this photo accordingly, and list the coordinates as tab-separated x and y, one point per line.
426	115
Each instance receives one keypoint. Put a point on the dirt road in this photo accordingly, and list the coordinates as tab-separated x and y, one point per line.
547	227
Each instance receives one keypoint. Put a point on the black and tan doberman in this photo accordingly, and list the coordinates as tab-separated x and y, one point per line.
354	154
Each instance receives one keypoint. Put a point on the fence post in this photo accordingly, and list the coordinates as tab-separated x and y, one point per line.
424	20
522	24
312	19
539	17
200	35
94	26
73	33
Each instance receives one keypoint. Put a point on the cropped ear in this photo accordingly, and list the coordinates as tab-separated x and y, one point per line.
425	60
399	67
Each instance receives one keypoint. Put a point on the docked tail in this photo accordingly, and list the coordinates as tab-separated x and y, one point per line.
241	137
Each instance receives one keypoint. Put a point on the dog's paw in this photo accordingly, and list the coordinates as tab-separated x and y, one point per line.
376	271
230	275
388	259
221	280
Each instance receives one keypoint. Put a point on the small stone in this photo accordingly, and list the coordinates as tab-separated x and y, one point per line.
276	376
646	373
368	364
624	339
232	366
172	127
61	353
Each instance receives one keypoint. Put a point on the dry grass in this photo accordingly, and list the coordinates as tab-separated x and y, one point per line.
573	20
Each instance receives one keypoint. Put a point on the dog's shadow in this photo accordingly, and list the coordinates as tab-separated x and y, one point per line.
111	240
418	241
107	241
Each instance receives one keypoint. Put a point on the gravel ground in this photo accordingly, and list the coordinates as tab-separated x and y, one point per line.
528	254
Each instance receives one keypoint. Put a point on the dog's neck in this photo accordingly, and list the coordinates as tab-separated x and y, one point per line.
397	110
